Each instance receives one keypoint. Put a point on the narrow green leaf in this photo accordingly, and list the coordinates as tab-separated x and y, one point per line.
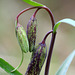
8	68
64	67
68	21
33	3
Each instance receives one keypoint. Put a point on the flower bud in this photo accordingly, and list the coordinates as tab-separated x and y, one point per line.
22	38
31	32
37	61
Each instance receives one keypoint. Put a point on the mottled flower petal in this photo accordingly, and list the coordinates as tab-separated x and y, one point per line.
37	61
31	32
22	38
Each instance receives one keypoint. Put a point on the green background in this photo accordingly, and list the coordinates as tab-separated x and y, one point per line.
65	39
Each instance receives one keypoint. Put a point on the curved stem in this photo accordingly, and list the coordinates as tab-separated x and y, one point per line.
35	12
20	63
43	41
51	15
44	7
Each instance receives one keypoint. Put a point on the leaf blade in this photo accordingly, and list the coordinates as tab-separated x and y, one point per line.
67	20
8	68
64	67
33	3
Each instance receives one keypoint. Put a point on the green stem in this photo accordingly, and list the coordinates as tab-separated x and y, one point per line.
20	63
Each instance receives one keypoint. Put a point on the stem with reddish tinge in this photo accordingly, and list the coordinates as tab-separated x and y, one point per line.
36	12
39	7
50	53
43	41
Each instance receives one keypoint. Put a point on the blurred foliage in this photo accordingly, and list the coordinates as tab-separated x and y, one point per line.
65	40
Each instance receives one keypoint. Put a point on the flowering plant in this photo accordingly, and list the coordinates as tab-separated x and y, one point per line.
27	41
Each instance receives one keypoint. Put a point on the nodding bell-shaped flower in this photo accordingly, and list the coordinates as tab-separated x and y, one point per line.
31	32
37	60
22	38
38	57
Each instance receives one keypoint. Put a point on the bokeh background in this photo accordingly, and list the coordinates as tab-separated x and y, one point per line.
65	40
